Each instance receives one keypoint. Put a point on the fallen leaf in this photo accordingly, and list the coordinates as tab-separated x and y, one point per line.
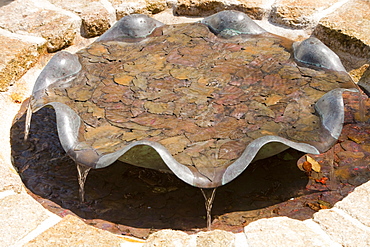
322	180
315	165
307	166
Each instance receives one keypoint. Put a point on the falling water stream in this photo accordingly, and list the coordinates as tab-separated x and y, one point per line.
83	171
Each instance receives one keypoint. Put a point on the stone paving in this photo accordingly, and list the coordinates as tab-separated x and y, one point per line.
31	29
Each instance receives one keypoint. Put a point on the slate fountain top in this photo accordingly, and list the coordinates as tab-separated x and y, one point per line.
201	100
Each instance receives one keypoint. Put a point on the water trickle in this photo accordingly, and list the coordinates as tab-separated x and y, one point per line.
362	108
209	197
83	171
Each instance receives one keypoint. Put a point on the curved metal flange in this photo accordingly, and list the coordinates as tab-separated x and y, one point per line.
131	26
313	52
330	107
61	69
230	23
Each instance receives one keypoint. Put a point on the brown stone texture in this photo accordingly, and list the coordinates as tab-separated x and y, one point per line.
95	17
72	231
296	13
347	29
127	7
24	17
16	57
256	9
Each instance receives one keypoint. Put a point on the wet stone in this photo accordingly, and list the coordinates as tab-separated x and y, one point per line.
57	27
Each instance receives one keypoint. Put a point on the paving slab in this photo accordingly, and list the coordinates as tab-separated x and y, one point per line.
283	231
297	13
96	19
9	178
347	29
71	231
15	60
216	238
342	228
19	215
256	9
357	204
40	18
168	238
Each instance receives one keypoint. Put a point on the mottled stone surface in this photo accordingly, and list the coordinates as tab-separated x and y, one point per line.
72	231
19	215
96	19
347	29
282	231
256	9
296	13
25	17
168	238
127	7
342	228
216	238
357	204
17	54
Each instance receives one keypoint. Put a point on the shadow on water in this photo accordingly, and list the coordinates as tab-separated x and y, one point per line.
132	198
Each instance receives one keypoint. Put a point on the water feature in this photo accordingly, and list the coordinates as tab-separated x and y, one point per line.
83	171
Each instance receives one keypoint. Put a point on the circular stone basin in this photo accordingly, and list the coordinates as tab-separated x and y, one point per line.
207	126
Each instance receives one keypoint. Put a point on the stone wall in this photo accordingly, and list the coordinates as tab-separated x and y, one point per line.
30	28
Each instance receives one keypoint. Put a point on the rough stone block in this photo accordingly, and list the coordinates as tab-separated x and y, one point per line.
19	215
342	228
216	238
297	13
167	238
127	7
256	9
71	231
357	204
96	19
282	231
347	29
41	19
17	54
